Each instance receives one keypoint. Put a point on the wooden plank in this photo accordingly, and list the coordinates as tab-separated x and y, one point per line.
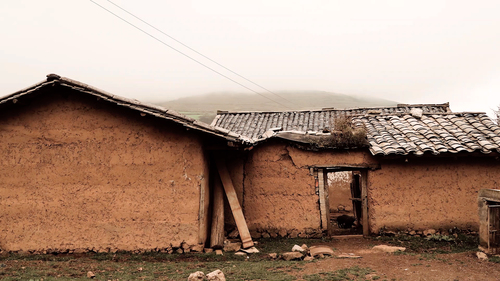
364	197
324	213
217	231
204	205
241	224
329	226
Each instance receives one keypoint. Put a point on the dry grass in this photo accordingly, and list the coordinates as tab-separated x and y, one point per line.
344	136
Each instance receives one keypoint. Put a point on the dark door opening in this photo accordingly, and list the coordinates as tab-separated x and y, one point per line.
345	200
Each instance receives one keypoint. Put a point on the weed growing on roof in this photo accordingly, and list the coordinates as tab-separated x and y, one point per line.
344	135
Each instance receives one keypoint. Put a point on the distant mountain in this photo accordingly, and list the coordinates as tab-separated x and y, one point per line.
204	107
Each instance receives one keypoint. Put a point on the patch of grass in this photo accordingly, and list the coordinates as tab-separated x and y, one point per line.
432	256
351	273
495	259
442	244
155	265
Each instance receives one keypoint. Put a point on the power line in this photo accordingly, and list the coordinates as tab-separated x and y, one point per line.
226	68
180	52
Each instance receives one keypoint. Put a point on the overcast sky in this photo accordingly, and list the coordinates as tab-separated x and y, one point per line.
408	51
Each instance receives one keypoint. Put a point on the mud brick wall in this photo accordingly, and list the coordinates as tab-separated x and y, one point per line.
279	189
428	192
437	193
78	173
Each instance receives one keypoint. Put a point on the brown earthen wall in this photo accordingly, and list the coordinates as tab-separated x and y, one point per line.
429	193
434	192
279	188
77	173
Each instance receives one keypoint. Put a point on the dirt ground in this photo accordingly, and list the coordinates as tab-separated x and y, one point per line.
420	264
409	266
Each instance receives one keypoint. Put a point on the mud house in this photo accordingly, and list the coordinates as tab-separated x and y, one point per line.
422	167
84	170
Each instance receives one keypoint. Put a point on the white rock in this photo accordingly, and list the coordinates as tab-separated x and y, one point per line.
196	276
297	248
216	276
251	250
481	256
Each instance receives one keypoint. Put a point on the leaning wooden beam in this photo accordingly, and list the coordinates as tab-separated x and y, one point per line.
227	183
217	233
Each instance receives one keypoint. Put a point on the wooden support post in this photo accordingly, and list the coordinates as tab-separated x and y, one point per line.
217	232
204	204
323	201
227	183
364	202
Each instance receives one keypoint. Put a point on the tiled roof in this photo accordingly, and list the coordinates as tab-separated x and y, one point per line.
143	108
254	124
431	133
404	129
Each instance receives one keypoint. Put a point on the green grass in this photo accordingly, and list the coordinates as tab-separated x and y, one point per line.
352	273
155	266
494	259
440	244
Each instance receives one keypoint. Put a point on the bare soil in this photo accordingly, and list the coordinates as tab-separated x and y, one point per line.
405	266
424	263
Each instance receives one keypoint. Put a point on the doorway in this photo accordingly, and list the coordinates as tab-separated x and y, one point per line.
344	191
343	200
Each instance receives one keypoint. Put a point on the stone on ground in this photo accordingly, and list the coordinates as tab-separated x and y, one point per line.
348	256
388	249
196	276
297	248
273	255
320	250
219	252
90	274
216	276
481	256
288	256
251	250
308	258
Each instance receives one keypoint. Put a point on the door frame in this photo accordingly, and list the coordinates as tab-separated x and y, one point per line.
322	191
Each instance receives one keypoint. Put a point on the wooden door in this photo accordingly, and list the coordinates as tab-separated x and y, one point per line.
494	228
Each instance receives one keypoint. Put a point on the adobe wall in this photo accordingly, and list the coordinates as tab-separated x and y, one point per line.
81	174
424	193
279	188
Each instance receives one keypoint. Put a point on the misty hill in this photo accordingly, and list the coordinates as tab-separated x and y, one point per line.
204	107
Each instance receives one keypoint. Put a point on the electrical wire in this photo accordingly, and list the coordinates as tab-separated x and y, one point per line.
191	58
195	51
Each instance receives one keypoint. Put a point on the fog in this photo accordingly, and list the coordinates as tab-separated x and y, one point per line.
409	51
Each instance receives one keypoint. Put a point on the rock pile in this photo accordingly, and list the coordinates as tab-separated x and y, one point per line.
304	253
216	275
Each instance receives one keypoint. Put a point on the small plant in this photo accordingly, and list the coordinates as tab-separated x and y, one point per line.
344	135
438	237
351	273
495	259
